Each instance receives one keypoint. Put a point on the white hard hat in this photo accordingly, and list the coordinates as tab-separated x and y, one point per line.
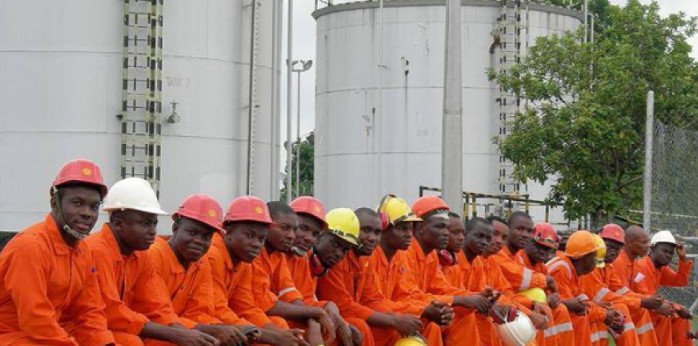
135	194
518	332
663	237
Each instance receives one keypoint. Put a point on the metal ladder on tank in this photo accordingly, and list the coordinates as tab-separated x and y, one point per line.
141	95
252	111
512	25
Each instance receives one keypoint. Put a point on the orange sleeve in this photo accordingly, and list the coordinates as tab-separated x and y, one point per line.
222	309
642	280
304	281
88	311
151	296
119	317
565	287
593	285
199	307
336	287
371	294
520	277
25	273
408	287
261	288
676	278
242	298
287	291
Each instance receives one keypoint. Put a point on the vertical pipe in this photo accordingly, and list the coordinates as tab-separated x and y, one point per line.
251	100
379	130
298	135
289	103
647	186
274	175
452	128
586	20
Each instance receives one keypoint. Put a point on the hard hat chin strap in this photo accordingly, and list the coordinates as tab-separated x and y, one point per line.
61	218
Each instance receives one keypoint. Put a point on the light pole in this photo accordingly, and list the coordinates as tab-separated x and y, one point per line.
304	65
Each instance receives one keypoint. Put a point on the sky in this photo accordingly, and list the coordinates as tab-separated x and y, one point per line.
304	49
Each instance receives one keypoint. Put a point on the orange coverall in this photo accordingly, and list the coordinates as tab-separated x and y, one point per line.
232	288
271	282
647	280
625	268
423	280
354	286
132	290
306	284
49	293
190	290
562	270
602	285
523	275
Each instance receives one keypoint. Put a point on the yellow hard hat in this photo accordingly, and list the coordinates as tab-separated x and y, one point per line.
535	294
396	209
411	341
343	223
600	251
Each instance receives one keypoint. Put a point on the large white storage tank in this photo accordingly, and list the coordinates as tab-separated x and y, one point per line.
61	68
353	166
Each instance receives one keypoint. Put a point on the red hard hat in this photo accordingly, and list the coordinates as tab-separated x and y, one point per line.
248	208
311	206
80	171
201	208
545	234
613	232
426	204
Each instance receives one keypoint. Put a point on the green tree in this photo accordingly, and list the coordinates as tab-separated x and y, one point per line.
307	165
584	128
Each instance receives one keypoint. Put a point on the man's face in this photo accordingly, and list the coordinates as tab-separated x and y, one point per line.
478	240
309	228
398	236
499	238
520	232
456	234
433	232
588	264
662	254
191	239
612	250
538	253
332	249
135	230
244	240
80	206
282	232
639	245
370	234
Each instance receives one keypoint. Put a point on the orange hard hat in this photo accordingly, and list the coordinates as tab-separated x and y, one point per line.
80	171
545	234
427	204
201	208
310	206
580	244
248	208
613	232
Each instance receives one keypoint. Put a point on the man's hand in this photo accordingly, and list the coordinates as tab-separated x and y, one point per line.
652	303
550	284
191	337
328	327
406	325
344	333
477	302
491	294
576	306
665	310
681	251
356	336
539	321
615	320
439	313
683	313
227	335
291	337
554	300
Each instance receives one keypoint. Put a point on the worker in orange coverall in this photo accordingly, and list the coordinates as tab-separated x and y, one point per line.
356	288
524	275
578	260
653	271
181	263
246	224
469	270
637	245
604	286
137	302
424	280
272	284
49	294
306	265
